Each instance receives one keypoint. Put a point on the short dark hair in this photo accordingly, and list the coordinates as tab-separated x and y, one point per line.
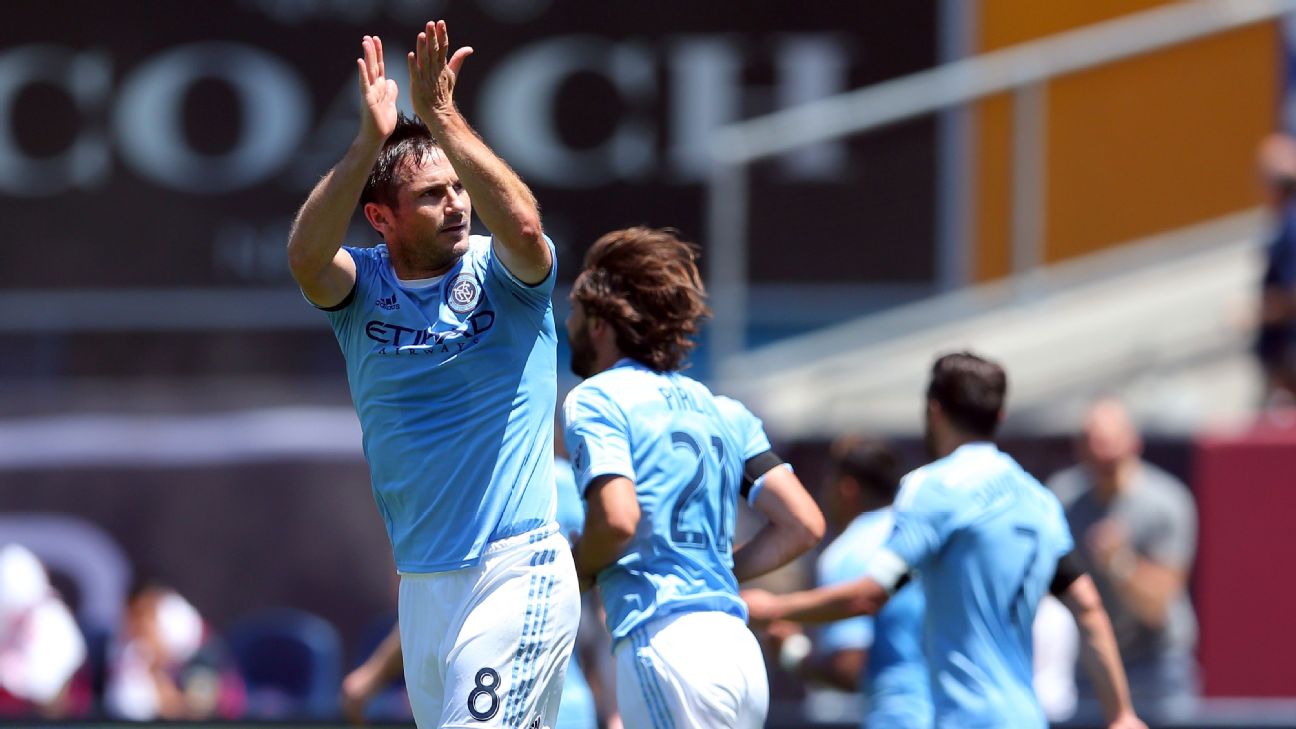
645	283
970	391
871	462
411	140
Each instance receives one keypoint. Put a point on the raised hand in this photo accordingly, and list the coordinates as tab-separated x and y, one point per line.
432	76
378	117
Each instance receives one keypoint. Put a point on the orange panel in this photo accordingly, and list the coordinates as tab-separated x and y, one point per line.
1158	142
1133	148
992	193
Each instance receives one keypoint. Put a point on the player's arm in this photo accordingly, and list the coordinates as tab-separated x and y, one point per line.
611	518
380	669
1098	651
325	273
502	201
864	596
795	523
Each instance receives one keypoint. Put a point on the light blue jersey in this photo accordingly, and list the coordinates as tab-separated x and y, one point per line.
454	382
985	538
577	710
685	450
895	678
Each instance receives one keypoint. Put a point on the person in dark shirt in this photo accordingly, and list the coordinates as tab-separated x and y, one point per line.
1276	340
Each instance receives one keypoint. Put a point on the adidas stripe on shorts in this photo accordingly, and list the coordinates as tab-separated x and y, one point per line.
488	645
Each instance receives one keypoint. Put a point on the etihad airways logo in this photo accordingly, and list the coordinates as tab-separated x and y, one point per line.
397	339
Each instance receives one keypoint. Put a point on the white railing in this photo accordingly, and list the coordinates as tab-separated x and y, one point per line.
1024	70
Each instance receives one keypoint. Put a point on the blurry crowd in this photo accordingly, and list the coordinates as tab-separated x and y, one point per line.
163	662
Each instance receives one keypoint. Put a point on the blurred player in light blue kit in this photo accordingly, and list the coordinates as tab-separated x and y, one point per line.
662	463
987	541
880	656
450	348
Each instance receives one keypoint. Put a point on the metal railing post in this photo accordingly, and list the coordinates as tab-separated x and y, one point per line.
726	260
1029	176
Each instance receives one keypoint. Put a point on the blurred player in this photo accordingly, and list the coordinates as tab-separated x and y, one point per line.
882	655
449	343
989	541
662	463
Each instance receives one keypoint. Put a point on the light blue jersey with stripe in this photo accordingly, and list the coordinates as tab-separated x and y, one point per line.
895	677
985	538
684	448
454	383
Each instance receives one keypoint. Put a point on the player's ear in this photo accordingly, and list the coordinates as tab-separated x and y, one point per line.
933	408
379	216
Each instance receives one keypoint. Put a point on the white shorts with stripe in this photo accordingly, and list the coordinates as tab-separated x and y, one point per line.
698	670
488	646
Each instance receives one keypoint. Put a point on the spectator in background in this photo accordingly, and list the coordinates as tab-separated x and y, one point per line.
1276	338
41	646
166	664
1136	530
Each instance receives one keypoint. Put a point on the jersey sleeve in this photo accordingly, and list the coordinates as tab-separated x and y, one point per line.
923	515
341	314
759	458
750	429
597	435
533	296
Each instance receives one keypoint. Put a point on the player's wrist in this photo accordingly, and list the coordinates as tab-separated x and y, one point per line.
441	117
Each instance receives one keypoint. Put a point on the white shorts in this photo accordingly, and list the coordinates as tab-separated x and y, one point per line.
487	646
698	670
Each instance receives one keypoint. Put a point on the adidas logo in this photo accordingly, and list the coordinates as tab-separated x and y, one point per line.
387	303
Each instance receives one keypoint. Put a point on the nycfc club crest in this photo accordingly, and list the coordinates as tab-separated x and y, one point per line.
463	293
